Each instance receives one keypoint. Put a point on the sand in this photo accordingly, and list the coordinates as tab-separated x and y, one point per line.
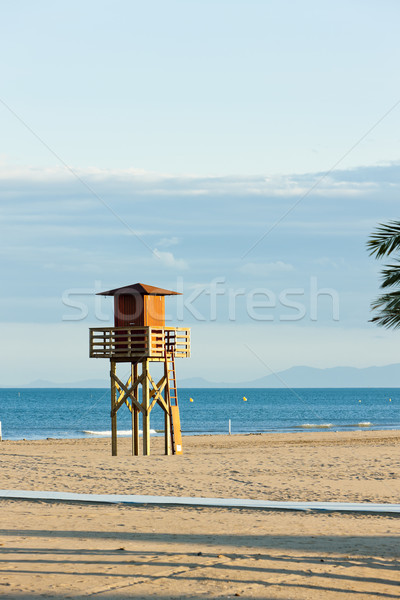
78	551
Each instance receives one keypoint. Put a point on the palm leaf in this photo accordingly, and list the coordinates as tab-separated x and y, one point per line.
385	239
389	307
391	275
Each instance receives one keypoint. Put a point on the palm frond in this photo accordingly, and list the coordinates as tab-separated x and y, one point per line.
389	307
391	275
385	240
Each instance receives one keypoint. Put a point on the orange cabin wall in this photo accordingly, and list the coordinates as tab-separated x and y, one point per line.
154	311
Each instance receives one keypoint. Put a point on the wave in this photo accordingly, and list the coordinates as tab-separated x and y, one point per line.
329	425
315	425
122	433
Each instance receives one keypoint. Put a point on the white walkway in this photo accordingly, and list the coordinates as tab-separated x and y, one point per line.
353	507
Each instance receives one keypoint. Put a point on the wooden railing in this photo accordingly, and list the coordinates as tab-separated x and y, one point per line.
139	343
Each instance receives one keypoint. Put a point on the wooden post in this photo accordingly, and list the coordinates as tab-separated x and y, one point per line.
146	414
167	428
135	413
113	415
167	414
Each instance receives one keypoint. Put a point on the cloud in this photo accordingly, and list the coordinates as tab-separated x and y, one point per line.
103	182
169	260
265	269
326	262
167	242
57	234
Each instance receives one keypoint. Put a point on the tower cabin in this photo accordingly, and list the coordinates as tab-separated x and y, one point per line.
139	337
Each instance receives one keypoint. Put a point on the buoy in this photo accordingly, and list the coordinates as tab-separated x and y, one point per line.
359	400
191	399
390	399
244	398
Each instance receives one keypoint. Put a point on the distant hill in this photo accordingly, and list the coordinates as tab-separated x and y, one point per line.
311	377
295	377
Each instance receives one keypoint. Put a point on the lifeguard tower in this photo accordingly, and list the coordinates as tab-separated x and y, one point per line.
139	337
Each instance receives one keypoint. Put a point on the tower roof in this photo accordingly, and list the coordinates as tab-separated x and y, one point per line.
141	289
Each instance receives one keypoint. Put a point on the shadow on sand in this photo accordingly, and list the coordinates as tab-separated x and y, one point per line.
257	560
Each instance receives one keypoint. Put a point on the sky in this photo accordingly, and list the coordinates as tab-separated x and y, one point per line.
240	152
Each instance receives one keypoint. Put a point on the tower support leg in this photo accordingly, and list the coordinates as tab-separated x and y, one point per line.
146	412
167	413
167	429
113	414
135	413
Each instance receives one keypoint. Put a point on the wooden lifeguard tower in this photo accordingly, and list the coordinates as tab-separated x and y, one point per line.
139	337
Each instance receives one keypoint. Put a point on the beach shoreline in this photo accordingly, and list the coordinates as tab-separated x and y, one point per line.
159	433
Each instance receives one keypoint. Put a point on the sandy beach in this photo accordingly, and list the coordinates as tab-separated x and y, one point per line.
65	550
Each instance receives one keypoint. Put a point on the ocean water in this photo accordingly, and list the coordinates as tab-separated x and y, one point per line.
79	413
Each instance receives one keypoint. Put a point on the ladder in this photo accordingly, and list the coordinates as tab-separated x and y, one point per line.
172	402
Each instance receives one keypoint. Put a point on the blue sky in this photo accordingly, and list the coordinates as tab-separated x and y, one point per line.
241	152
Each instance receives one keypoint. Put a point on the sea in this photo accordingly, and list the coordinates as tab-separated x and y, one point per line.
33	414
